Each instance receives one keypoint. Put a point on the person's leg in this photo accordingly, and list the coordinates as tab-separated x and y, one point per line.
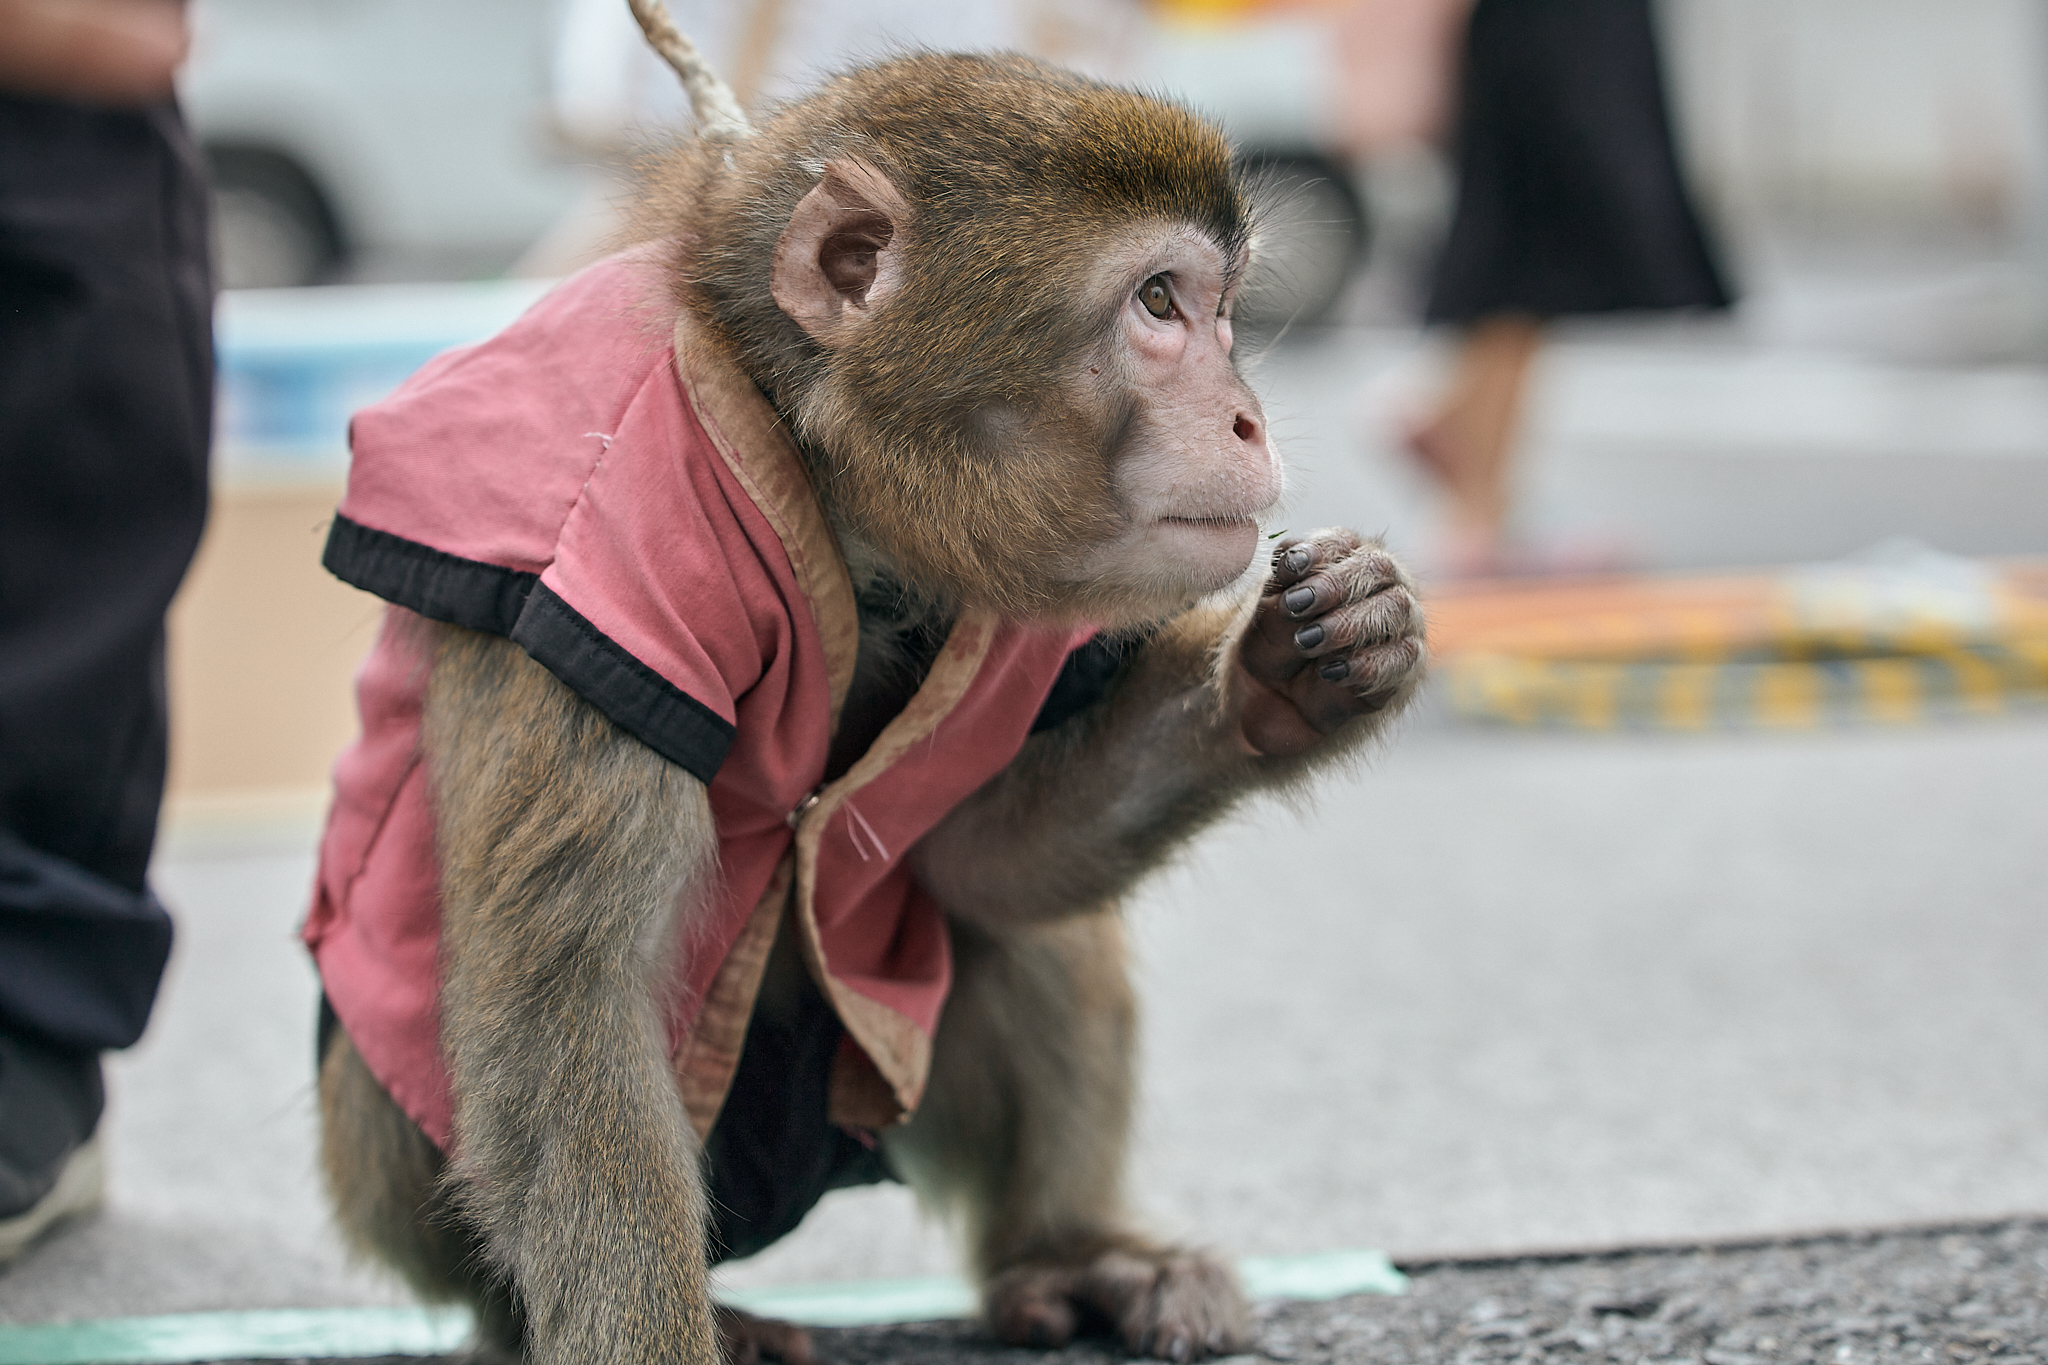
50	1101
1569	202
1467	442
106	370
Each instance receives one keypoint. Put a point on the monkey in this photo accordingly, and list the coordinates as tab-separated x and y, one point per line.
803	630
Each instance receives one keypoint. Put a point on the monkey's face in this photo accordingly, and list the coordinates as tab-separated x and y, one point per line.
1192	464
992	299
1054	428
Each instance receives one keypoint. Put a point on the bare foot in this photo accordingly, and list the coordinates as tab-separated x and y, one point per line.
1431	449
1468	553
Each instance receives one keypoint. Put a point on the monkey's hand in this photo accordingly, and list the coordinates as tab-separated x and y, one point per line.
1167	1302
1337	637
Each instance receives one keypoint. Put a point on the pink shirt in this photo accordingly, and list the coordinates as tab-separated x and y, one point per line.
616	497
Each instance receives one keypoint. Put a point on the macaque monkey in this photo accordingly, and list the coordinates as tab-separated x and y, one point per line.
806	627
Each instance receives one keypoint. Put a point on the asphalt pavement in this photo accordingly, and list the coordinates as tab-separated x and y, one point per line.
1950	1294
1496	991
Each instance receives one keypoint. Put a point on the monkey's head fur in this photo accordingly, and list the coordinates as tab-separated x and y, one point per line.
932	267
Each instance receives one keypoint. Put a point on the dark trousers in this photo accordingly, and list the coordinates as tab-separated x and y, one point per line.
106	384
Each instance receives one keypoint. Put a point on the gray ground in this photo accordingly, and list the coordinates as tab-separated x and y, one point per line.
1498	991
1950	1295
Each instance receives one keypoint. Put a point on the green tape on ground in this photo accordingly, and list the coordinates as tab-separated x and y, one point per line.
264	1335
859	1303
331	1333
1321	1275
865	1303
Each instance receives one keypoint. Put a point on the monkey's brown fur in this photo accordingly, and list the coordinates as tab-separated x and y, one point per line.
541	804
954	452
986	319
385	1177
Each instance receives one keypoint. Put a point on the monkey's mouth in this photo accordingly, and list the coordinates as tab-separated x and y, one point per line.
1209	551
1241	529
1212	523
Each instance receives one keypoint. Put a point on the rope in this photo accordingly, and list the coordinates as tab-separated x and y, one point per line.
719	117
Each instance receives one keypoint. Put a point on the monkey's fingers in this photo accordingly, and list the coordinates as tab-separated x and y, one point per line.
747	1338
1198	1310
1274	647
1173	1306
1295	557
1309	609
1380	614
1357	682
1343	640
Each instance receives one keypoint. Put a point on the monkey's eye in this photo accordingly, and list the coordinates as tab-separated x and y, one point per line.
1156	297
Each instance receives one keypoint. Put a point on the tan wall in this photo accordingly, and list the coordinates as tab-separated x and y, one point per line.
264	645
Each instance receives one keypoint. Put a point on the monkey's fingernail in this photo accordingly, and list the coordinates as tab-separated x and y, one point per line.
1295	560
1309	636
1335	671
1300	600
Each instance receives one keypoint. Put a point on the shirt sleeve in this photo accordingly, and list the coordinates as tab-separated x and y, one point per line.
658	608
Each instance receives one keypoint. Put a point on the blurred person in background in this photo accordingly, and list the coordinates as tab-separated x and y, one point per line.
106	382
1569	202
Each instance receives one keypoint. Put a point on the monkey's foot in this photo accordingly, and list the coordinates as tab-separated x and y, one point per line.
1167	1302
747	1339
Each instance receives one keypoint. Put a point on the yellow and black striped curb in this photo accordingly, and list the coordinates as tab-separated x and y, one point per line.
1798	649
1980	680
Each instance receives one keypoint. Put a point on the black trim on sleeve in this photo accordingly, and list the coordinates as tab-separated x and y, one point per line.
513	603
437	585
631	695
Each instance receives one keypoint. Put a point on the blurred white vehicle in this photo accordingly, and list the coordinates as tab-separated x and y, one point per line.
410	137
380	139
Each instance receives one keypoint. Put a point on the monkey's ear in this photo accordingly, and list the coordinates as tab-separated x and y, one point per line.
841	256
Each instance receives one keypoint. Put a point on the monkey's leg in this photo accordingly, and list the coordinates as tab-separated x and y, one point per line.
568	852
1023	1132
384	1176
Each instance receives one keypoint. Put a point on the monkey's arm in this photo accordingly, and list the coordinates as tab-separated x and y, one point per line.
1223	701
566	848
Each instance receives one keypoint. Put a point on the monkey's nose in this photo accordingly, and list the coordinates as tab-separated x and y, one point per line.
1258	463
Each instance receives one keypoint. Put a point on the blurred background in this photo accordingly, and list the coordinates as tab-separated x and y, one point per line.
1658	974
383	141
1874	172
